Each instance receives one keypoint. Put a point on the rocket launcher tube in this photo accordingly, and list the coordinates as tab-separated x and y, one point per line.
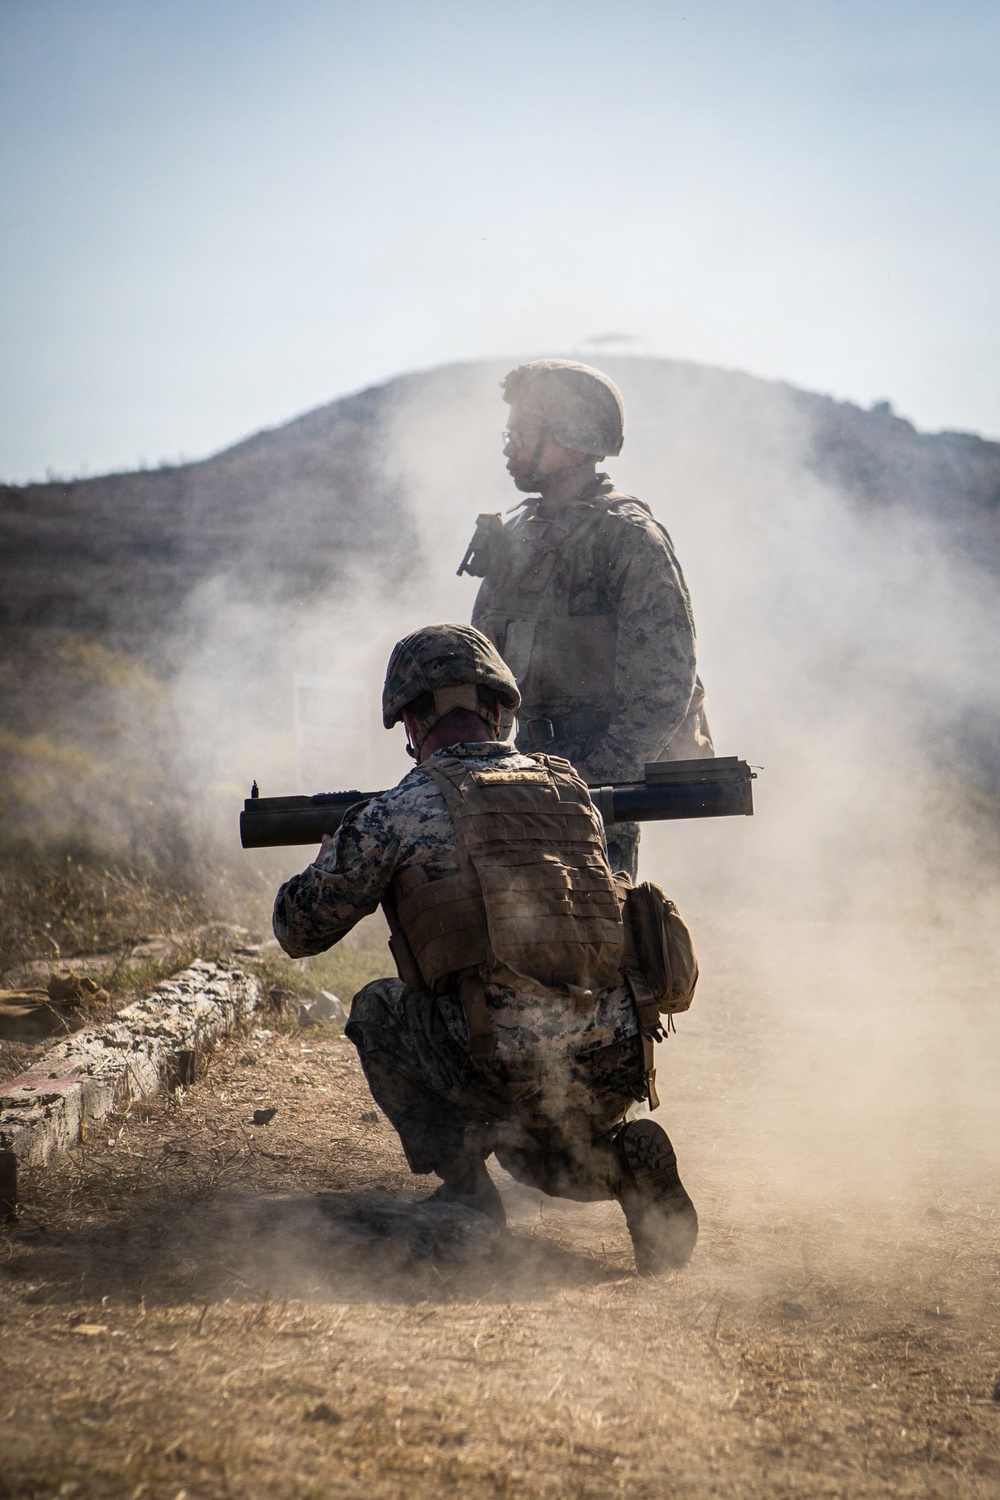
715	788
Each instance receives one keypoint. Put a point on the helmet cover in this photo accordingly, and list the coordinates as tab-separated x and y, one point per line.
443	660
581	408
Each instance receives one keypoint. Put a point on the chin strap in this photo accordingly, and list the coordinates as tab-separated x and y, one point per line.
534	477
541	480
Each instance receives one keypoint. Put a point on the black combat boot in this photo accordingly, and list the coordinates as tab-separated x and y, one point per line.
468	1184
660	1216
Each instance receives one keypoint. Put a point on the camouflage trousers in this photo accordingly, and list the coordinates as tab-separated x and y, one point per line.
550	1127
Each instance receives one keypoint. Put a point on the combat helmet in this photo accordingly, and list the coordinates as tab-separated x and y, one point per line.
447	663
581	408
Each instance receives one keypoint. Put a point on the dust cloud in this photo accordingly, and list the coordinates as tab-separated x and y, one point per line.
845	1025
849	931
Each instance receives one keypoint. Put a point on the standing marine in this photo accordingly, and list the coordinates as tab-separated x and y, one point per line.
522	1018
582	594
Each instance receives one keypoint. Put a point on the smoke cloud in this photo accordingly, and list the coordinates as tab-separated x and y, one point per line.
839	1048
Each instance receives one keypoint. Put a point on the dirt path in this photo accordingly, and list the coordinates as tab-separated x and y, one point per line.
177	1322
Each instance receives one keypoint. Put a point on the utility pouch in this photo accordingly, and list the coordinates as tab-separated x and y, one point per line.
659	945
406	964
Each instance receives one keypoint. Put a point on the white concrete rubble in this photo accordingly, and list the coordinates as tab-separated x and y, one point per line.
93	1072
327	1007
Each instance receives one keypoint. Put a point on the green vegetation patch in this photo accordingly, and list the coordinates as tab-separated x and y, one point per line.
343	970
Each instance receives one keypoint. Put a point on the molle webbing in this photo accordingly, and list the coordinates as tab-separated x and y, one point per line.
534	891
444	923
562	658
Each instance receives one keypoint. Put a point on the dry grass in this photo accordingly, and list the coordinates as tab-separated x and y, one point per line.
177	1320
127	927
240	1351
57	906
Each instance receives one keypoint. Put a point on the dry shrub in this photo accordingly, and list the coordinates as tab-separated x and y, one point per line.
59	904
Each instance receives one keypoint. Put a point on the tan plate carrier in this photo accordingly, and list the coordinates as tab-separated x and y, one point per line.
534	894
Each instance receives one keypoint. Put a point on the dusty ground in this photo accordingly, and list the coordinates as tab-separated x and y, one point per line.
177	1321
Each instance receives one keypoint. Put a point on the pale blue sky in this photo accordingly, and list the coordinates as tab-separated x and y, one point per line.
219	215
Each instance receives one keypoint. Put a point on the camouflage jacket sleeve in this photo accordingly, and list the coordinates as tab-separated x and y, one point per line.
407	825
656	658
317	908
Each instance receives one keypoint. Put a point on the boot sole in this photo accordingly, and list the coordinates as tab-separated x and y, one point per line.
660	1216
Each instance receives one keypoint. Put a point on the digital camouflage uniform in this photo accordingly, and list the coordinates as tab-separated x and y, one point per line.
589	608
561	1076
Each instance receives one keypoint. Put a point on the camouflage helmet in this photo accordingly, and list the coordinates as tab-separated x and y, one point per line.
450	662
581	408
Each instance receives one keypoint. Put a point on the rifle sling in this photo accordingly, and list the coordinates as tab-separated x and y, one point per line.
650	1028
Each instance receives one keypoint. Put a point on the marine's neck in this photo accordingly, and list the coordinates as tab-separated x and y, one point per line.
562	489
446	740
